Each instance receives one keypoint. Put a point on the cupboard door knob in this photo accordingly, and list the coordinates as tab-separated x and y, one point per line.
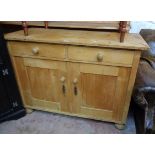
35	50
75	90
62	79
99	56
63	89
75	81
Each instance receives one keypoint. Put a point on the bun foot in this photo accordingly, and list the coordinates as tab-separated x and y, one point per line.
120	126
29	111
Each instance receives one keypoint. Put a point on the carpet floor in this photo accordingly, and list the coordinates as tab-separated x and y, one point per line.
39	122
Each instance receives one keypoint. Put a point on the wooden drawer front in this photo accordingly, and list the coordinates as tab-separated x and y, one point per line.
37	50
100	55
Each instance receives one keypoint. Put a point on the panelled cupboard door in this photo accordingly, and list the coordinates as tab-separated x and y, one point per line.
42	83
98	91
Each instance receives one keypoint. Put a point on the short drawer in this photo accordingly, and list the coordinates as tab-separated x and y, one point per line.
101	55
26	49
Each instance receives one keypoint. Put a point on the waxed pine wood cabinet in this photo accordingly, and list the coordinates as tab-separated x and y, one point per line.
65	72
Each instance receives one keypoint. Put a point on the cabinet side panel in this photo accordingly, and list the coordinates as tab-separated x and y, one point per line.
131	84
121	90
22	79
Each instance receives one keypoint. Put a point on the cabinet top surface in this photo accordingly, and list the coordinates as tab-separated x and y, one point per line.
80	37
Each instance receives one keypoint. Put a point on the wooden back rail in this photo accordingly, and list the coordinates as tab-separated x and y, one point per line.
122	28
25	27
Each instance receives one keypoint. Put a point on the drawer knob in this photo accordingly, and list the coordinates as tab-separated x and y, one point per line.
99	56
35	50
75	81
62	79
